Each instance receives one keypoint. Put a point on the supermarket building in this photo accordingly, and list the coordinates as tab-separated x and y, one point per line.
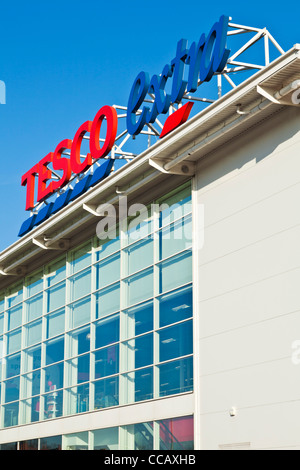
181	330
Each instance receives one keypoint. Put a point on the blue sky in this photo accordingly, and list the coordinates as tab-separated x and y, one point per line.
63	60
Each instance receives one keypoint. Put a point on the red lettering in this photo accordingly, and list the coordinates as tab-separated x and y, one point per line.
110	114
45	174
62	163
29	180
76	165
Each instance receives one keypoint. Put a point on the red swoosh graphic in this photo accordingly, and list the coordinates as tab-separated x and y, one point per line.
176	119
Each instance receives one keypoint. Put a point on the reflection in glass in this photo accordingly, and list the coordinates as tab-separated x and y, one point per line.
55	350
108	271
139	256
77	399
51	443
108	300
78	341
176	377
33	332
78	441
80	284
34	307
176	341
107	331
80	312
106	392
176	433
14	317
175	272
53	404
56	296
54	377
137	352
139	287
55	323
107	361
137	386
176	306
32	358
139	436
11	413
13	365
106	439
12	389
138	320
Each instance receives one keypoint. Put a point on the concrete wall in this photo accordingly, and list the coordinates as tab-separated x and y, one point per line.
247	282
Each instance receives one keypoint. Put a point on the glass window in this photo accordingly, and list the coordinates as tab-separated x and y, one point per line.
107	361
139	287
176	377
176	433
2	303
51	443
53	404
56	272
11	413
33	332
15	295
34	307
9	446
139	226
108	246
30	410
175	206
54	376
107	331
80	312
56	297
176	306
31	384
106	392
34	284
81	284
32	358
108	271
77	399
106	439
12	388
108	300
55	350
55	323
176	271
14	341
176	341
139	436
14	317
78	370
13	365
78	441
176	237
78	341
137	352
138	320
137	386
139	256
81	258
1	324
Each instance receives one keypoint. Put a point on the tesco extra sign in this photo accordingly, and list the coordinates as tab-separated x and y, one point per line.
203	59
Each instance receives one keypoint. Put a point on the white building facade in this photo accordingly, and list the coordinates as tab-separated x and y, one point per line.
182	330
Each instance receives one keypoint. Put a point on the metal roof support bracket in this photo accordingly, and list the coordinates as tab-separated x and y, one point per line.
45	244
19	271
288	95
185	168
